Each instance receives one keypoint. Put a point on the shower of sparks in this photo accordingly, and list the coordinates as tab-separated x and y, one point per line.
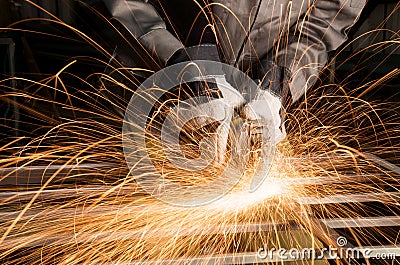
65	212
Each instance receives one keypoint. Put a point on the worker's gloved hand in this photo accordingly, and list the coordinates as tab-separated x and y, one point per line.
211	117
265	112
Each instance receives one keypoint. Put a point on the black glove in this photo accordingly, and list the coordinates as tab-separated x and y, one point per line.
273	78
213	116
207	52
208	87
265	111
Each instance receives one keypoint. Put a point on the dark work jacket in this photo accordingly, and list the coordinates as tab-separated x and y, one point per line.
297	34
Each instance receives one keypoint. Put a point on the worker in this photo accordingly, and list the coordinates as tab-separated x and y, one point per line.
282	44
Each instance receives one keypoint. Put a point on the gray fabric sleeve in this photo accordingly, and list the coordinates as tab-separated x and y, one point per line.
322	30
143	21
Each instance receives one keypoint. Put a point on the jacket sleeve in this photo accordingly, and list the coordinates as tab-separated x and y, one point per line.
323	29
143	21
